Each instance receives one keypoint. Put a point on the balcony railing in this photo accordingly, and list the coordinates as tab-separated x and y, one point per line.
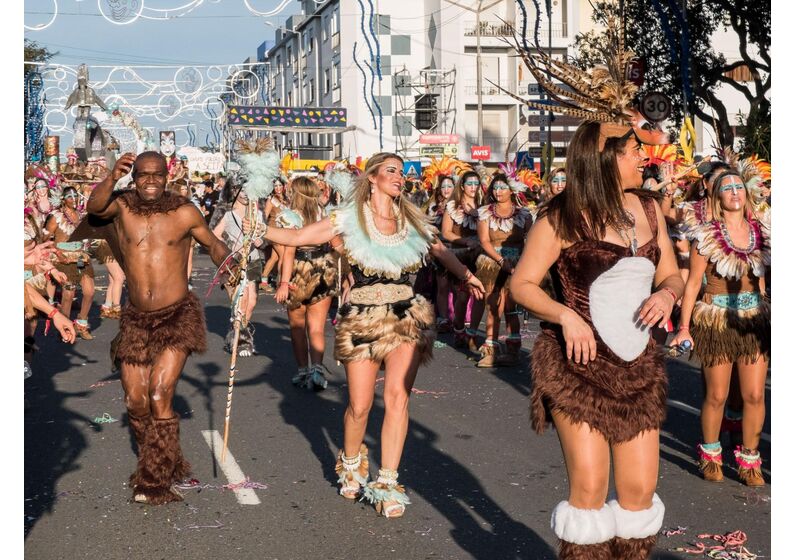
488	29
471	87
559	31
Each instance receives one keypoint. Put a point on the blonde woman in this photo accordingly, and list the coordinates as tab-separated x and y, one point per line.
308	282
277	202
730	325
384	323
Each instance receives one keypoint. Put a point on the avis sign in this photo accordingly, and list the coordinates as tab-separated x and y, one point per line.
480	152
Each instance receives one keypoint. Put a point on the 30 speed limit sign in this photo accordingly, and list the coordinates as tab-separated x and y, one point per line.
656	106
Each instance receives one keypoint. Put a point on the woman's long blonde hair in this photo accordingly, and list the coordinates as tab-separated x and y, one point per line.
306	199
408	212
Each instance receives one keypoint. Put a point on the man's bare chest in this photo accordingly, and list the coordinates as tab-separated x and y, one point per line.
157	231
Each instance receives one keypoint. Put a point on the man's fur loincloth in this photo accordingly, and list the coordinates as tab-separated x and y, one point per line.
144	335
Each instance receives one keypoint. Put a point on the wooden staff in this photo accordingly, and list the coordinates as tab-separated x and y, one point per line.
243	262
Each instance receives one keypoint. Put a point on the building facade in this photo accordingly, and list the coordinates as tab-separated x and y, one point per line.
407	68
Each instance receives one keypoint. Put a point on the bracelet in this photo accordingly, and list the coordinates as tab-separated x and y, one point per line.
683	328
500	262
52	313
467	275
670	292
284	283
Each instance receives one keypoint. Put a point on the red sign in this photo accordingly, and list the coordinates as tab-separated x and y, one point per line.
480	152
439	138
635	71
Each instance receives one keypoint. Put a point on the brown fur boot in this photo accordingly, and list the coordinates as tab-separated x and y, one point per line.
139	426
160	463
572	551
632	549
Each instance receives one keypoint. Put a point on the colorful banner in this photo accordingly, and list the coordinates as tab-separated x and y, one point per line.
292	117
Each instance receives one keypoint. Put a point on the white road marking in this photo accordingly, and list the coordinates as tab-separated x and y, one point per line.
245	496
696	412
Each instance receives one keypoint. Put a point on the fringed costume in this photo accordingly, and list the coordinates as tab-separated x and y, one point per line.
465	224
507	236
75	261
733	320
382	311
144	335
314	276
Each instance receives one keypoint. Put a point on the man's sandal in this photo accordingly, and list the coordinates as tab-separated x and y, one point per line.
387	495
353	473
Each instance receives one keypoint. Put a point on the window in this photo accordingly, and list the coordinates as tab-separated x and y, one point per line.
337	75
290	98
400	44
310	41
311	92
325	27
289	55
278	63
327	82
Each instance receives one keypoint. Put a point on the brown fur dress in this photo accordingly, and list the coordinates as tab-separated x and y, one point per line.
144	335
618	398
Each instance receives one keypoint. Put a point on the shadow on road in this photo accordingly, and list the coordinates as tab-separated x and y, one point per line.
53	433
439	478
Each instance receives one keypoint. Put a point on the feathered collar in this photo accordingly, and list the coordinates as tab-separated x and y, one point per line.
732	263
468	220
695	214
63	222
517	218
377	254
166	203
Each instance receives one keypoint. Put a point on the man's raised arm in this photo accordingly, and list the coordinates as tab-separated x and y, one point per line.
100	203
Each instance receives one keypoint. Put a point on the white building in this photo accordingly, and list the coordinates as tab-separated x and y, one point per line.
426	52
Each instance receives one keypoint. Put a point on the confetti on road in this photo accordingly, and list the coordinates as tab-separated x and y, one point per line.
102	384
731	547
105	419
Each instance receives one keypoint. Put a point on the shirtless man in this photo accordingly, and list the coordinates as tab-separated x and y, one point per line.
163	322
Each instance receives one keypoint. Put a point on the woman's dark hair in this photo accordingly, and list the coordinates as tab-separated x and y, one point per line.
490	196
651	171
592	200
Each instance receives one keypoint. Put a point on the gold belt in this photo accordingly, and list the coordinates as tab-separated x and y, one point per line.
381	294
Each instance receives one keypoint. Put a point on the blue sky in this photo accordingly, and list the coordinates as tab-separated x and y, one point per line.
215	32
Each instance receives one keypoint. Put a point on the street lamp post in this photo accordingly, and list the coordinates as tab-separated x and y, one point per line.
478	71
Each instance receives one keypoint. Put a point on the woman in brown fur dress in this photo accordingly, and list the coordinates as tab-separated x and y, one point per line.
595	368
731	323
385	238
308	281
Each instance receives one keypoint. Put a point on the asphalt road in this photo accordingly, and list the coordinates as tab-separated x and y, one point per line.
481	482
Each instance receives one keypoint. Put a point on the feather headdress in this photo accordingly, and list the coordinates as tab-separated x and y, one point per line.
341	180
656	155
603	93
259	166
445	167
763	167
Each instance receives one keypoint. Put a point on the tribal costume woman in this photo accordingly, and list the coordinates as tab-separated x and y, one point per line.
75	262
502	226
460	229
278	201
230	230
730	324
308	282
383	323
595	368
439	179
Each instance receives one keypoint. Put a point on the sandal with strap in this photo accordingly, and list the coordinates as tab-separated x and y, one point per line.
83	330
387	495
353	473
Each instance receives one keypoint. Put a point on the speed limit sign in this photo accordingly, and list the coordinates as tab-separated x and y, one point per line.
656	106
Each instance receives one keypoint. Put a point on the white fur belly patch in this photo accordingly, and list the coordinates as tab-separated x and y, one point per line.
614	301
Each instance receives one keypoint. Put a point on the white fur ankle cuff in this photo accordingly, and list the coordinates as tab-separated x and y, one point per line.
638	524
583	526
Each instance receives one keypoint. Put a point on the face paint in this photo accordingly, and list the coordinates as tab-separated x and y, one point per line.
734	186
500	187
472	182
